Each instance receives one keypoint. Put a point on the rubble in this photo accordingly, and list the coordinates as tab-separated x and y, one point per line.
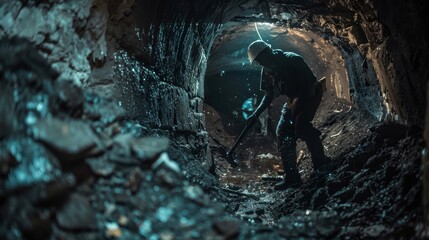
149	148
100	166
359	194
70	95
76	214
70	140
34	165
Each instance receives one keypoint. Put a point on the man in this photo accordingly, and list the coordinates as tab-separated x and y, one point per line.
286	73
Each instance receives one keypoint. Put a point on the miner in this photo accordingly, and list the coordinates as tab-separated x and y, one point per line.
287	73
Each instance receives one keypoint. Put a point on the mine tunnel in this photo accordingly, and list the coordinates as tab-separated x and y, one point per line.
117	120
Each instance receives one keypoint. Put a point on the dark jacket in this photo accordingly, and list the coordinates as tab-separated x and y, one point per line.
290	76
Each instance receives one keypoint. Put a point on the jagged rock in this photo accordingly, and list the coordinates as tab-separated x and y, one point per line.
124	142
148	148
30	75
69	139
76	214
105	110
69	47
164	161
388	133
167	171
78	35
100	166
196	194
35	165
145	149
70	94
121	151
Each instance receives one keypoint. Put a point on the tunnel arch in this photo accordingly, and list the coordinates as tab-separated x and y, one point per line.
371	43
184	34
231	80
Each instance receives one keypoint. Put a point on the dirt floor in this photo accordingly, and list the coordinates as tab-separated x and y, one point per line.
372	189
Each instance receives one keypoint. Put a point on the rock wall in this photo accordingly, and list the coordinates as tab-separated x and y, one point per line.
159	67
365	90
381	31
160	63
425	166
70	34
147	57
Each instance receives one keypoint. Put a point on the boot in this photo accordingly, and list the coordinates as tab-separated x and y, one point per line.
291	179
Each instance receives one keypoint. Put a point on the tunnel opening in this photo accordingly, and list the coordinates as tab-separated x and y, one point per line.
353	112
232	93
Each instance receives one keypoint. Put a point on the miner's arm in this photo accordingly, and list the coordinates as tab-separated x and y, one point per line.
265	103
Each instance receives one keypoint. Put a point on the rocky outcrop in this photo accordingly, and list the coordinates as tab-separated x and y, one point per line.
160	66
70	34
380	30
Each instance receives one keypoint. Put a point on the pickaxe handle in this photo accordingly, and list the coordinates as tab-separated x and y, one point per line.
240	138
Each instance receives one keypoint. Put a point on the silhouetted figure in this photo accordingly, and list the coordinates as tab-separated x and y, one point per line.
286	73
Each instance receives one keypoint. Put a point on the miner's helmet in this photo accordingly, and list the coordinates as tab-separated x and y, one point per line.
255	48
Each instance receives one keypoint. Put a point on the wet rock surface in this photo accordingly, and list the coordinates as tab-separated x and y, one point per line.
65	177
71	46
34	164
